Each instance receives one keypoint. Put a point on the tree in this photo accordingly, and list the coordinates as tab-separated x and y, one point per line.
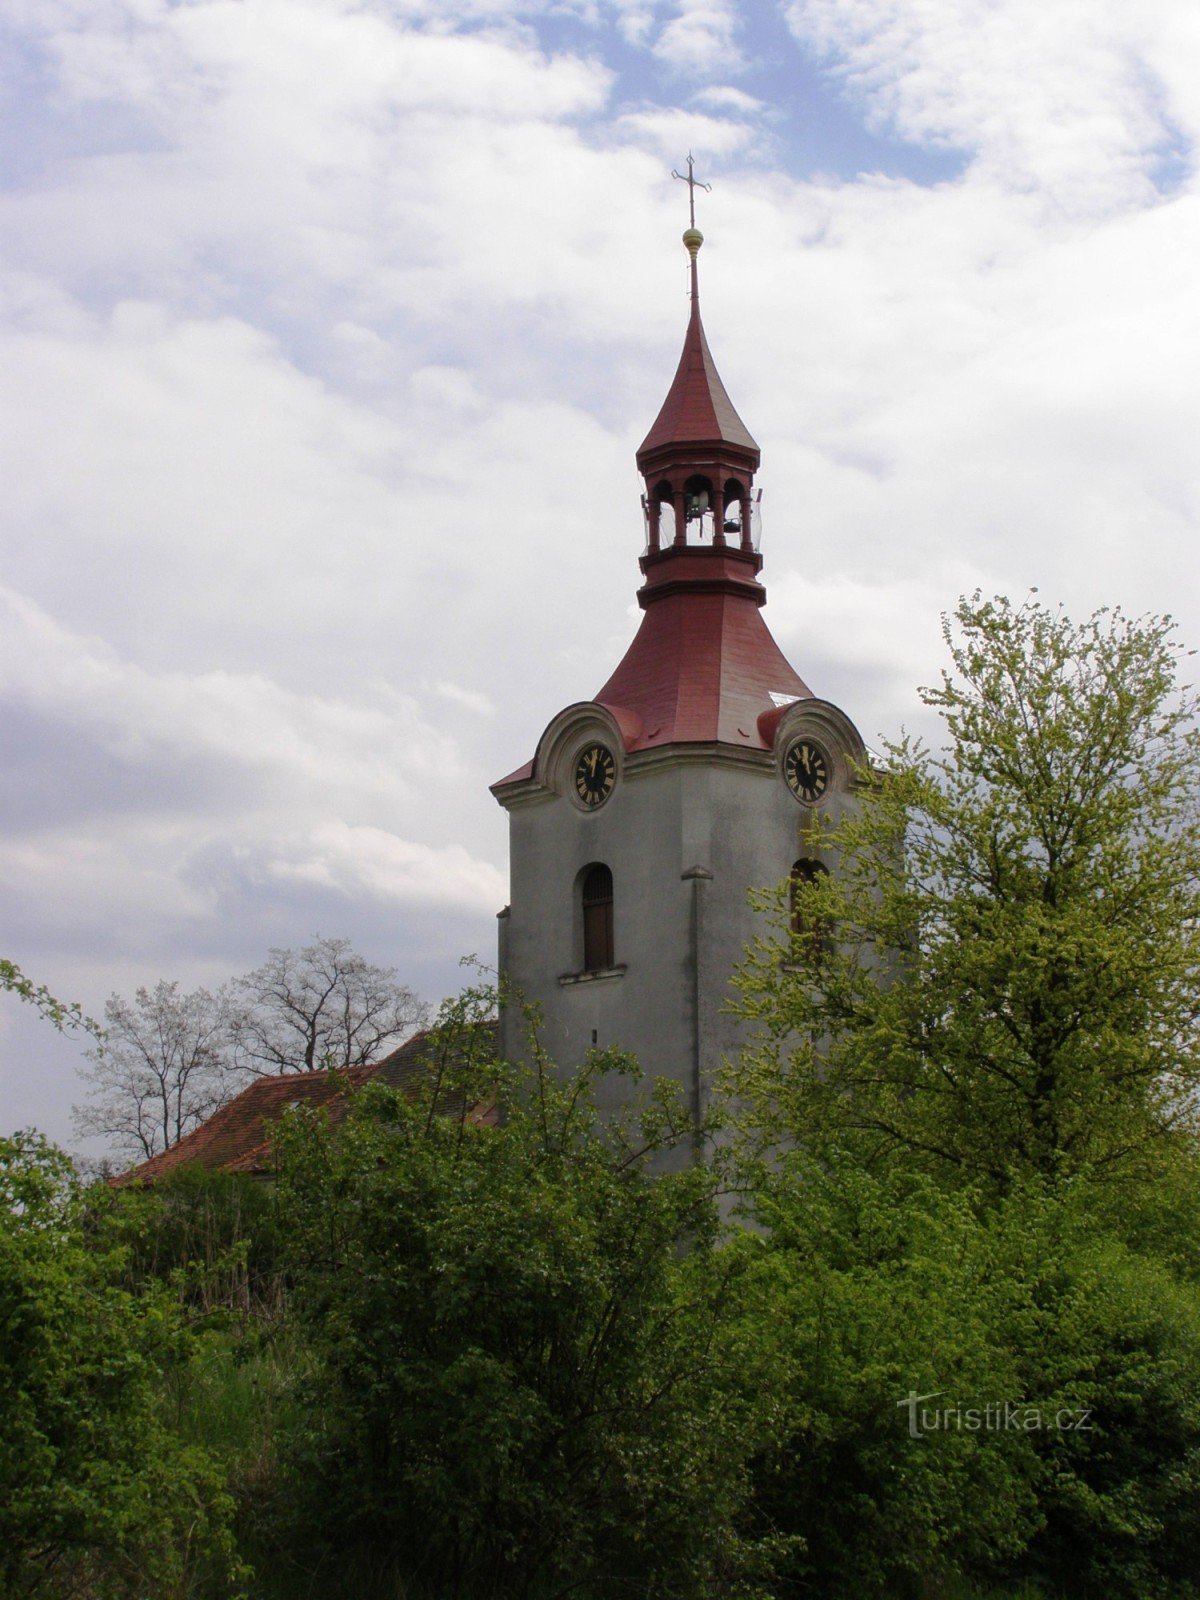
96	1495
1013	983
1001	1391
319	1007
963	1091
160	1071
519	1380
61	1014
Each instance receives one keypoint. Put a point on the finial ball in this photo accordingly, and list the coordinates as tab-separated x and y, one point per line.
693	238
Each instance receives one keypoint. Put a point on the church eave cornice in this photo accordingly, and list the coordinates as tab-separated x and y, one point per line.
708	753
741	588
692	453
641	763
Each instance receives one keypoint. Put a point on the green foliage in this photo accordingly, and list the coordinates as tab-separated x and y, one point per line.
216	1236
212	1242
242	1389
61	1014
97	1497
517	1334
871	1288
470	1347
971	1143
1030	898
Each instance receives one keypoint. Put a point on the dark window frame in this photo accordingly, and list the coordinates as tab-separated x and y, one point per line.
596	905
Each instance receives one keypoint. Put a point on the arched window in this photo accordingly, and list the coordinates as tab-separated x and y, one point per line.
811	929
597	900
698	503
734	495
664	499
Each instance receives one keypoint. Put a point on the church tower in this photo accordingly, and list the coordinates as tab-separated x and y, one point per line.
649	812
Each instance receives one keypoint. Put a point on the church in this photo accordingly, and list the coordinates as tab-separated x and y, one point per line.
648	813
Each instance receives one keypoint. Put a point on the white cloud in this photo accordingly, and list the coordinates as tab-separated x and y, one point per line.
701	38
635	19
145	812
1077	100
318	148
724	97
282	745
328	331
669	130
183	457
328	62
471	699
694	38
375	863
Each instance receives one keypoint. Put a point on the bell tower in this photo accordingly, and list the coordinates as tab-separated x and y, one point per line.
648	813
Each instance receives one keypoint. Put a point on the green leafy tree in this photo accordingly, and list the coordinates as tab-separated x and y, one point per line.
1000	1394
96	1496
214	1236
971	1147
1012	982
521	1374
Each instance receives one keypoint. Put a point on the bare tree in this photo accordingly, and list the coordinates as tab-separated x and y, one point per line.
161	1069
323	1006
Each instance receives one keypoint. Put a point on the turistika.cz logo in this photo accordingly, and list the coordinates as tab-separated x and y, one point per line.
997	1416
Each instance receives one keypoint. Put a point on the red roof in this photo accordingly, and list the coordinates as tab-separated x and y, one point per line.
238	1137
703	666
697	409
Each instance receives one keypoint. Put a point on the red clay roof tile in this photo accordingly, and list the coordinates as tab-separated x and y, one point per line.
237	1138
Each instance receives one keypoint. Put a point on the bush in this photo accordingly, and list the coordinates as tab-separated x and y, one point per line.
519	1378
97	1496
873	1288
215	1235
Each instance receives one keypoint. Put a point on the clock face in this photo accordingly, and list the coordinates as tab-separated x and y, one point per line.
595	775
806	770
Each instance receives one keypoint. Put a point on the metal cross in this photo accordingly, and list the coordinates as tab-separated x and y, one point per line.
693	184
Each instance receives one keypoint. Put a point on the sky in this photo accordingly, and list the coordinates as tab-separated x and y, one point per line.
328	331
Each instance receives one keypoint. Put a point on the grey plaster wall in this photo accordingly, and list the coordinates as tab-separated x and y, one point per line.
687	832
